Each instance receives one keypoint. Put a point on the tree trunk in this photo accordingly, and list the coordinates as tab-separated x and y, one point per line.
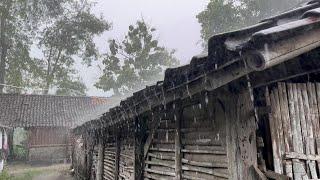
3	45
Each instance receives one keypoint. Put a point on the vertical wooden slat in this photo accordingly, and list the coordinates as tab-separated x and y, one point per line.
316	102
178	156
298	166
138	149
287	133
117	158
312	95
99	175
273	129
310	116
304	117
279	127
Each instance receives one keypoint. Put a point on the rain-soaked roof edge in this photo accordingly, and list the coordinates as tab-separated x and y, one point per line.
231	56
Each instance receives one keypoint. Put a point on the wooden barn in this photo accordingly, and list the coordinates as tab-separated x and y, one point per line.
248	110
48	120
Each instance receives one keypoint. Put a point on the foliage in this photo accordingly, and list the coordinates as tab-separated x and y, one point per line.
60	32
4	175
19	22
134	62
20	152
69	37
227	15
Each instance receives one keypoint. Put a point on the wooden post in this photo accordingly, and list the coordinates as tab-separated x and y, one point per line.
66	139
89	155
117	158
99	175
138	149
178	156
10	144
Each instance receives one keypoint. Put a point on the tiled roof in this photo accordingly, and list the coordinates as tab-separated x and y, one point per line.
46	110
231	55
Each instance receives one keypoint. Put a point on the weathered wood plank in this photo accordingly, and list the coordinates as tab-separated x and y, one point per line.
117	158
212	164
278	126
303	107
287	132
295	155
166	173
298	167
273	133
317	114
155	125
194	151
310	118
212	172
138	154
178	153
152	175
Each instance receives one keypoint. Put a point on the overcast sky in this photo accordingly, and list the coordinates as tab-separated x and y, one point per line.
175	21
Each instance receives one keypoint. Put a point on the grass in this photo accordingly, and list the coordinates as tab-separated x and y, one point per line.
28	175
23	171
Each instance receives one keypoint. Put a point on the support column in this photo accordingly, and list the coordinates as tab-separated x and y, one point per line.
99	175
138	149
117	158
178	155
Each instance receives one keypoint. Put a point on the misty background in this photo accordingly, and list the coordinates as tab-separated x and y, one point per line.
105	48
175	21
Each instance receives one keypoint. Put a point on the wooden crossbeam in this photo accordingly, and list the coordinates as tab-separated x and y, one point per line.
295	155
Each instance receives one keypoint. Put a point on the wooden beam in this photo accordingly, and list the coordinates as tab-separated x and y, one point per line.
295	155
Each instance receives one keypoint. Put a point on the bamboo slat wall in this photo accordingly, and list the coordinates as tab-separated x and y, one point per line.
109	162
95	159
160	160
294	126
126	159
203	143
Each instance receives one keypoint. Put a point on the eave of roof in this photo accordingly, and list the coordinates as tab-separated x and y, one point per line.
226	59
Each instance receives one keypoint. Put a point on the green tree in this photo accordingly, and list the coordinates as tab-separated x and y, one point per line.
228	15
67	39
19	20
136	61
61	32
